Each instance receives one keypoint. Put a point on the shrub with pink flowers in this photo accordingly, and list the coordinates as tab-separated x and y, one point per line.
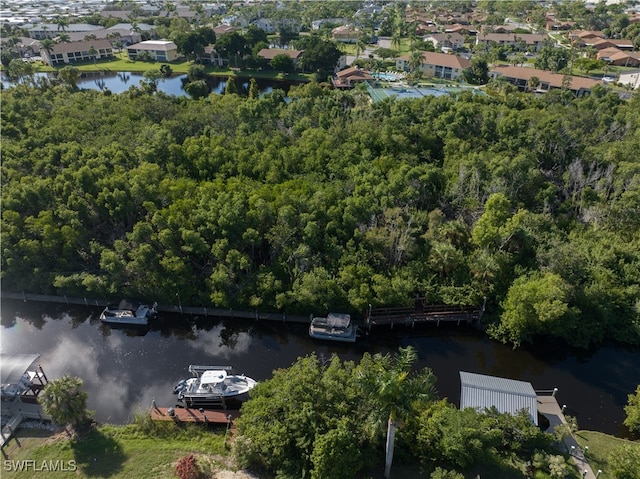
188	468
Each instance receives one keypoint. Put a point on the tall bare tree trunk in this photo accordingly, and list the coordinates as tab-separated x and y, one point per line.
391	436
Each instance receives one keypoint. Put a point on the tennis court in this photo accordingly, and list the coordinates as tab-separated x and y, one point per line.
403	92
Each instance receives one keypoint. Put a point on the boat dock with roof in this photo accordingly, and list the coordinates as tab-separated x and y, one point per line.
22	381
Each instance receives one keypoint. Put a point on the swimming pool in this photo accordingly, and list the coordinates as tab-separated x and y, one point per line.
386	76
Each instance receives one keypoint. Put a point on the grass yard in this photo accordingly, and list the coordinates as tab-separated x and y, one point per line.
121	63
602	448
141	450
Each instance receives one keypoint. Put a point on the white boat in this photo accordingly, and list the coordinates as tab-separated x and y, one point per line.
212	385
128	313
335	327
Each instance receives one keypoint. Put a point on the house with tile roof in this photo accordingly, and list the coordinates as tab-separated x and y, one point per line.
615	56
546	80
437	65
345	34
350	77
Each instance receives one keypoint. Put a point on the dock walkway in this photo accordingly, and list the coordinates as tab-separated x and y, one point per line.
421	312
18	411
204	416
549	408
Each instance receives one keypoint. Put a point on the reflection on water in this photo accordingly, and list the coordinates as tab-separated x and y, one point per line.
123	370
118	82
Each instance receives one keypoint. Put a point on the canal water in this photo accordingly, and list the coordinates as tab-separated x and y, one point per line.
124	370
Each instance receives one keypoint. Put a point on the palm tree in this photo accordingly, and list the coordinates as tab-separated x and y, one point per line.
360	47
63	400
92	53
62	23
63	38
47	46
70	75
393	391
415	62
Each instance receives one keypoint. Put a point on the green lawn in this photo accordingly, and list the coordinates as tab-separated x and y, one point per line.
601	448
149	451
122	64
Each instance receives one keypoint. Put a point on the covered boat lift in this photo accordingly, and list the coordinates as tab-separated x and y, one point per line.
22	381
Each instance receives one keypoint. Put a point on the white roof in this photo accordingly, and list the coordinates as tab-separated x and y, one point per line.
338	320
214	376
506	395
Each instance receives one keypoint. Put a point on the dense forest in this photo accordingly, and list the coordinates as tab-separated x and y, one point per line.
319	200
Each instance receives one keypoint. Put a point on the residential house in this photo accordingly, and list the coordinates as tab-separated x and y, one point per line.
620	43
499	29
52	30
317	24
546	80
615	56
350	77
438	65
269	54
272	26
212	57
585	37
123	31
345	34
235	21
265	24
530	41
441	41
70	52
461	29
223	29
121	14
158	50
557	26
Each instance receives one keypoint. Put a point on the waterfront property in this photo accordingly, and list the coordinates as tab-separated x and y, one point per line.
479	391
22	382
203	416
158	50
268	54
80	51
421	312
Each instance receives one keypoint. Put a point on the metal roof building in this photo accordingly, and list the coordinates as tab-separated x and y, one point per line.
506	395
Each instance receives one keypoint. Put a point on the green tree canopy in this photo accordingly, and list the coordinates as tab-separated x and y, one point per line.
632	410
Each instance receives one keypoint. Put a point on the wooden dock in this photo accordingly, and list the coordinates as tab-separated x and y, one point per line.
423	313
282	317
202	416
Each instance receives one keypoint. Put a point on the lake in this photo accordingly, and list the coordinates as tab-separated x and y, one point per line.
118	82
123	371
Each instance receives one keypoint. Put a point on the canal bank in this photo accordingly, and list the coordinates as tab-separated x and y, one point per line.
124	370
